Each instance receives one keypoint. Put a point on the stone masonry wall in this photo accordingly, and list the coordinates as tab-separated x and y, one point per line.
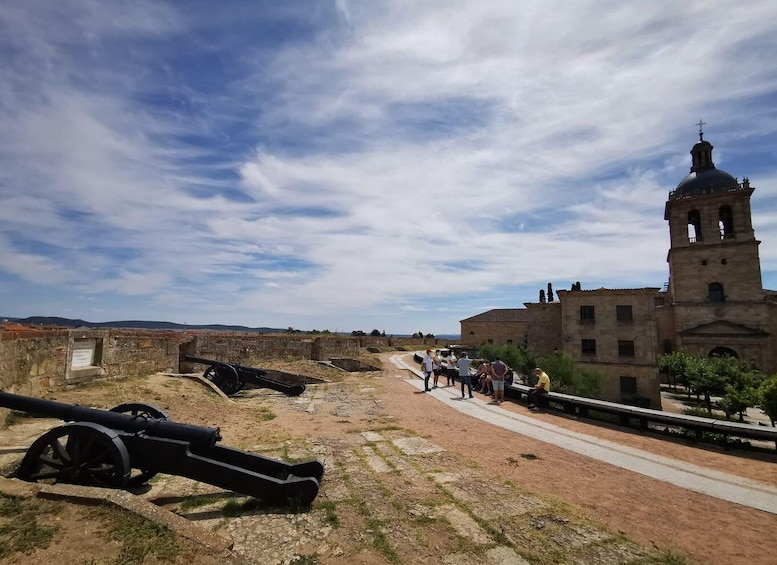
32	362
499	333
544	327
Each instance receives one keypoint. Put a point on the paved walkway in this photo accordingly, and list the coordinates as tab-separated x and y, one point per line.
736	489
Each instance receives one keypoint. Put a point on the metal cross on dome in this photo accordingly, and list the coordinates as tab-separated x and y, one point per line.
701	133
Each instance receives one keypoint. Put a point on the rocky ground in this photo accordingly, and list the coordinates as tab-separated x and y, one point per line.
410	481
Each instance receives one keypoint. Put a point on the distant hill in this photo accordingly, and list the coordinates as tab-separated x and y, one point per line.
133	324
151	325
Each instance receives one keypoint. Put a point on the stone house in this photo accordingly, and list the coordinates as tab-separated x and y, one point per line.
499	327
713	304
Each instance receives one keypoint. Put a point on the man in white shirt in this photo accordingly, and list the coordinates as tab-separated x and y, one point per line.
451	369
429	364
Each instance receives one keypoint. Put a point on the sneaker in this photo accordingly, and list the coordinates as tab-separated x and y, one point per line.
531	406
535	409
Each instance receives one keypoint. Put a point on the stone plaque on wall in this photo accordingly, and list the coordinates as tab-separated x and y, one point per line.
83	353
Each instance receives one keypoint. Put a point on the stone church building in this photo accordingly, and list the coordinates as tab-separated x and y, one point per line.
714	302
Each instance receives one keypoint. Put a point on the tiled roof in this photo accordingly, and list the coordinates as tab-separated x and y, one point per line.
501	315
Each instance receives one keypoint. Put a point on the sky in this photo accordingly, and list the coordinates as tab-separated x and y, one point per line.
391	165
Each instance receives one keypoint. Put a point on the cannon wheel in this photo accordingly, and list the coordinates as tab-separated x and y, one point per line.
145	411
82	453
141	409
225	377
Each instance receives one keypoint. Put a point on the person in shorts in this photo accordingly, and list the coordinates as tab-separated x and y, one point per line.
498	376
437	358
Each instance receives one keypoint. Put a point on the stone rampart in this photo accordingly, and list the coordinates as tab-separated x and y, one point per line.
36	360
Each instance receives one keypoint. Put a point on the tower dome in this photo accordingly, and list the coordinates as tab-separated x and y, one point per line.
704	178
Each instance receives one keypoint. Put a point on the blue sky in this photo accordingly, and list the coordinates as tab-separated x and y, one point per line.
396	165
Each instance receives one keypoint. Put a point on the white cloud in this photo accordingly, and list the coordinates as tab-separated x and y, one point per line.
397	161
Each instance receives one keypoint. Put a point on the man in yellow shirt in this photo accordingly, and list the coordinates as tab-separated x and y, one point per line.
538	395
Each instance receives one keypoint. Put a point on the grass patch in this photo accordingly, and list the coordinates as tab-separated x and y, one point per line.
14	417
330	512
306	560
285	453
425	520
380	542
22	533
703	413
138	537
663	558
199	500
235	508
388	428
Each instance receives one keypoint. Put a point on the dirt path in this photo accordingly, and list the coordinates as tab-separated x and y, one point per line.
410	480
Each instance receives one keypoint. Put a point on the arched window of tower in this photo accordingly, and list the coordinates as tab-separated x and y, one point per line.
715	292
694	226
726	222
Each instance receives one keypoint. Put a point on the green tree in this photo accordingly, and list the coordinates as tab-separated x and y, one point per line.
741	385
527	363
675	367
567	376
767	393
375	333
738	400
507	353
705	379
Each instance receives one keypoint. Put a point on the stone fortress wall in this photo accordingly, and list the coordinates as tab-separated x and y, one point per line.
36	360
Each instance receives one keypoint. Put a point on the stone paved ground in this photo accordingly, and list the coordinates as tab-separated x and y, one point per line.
390	496
410	481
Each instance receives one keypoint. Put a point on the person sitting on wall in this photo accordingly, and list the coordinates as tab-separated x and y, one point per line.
483	377
539	394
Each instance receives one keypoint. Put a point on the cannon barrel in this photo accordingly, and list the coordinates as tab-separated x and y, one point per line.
202	360
157	427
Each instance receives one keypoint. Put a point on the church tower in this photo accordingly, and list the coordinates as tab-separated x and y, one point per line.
713	254
715	302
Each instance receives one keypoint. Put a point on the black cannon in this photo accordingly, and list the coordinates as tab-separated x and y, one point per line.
231	377
127	445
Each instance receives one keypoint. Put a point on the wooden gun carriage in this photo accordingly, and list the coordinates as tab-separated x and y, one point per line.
127	445
231	377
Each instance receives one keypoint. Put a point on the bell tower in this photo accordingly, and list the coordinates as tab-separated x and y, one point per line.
713	254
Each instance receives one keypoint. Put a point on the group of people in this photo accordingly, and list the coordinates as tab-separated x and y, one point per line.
490	377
